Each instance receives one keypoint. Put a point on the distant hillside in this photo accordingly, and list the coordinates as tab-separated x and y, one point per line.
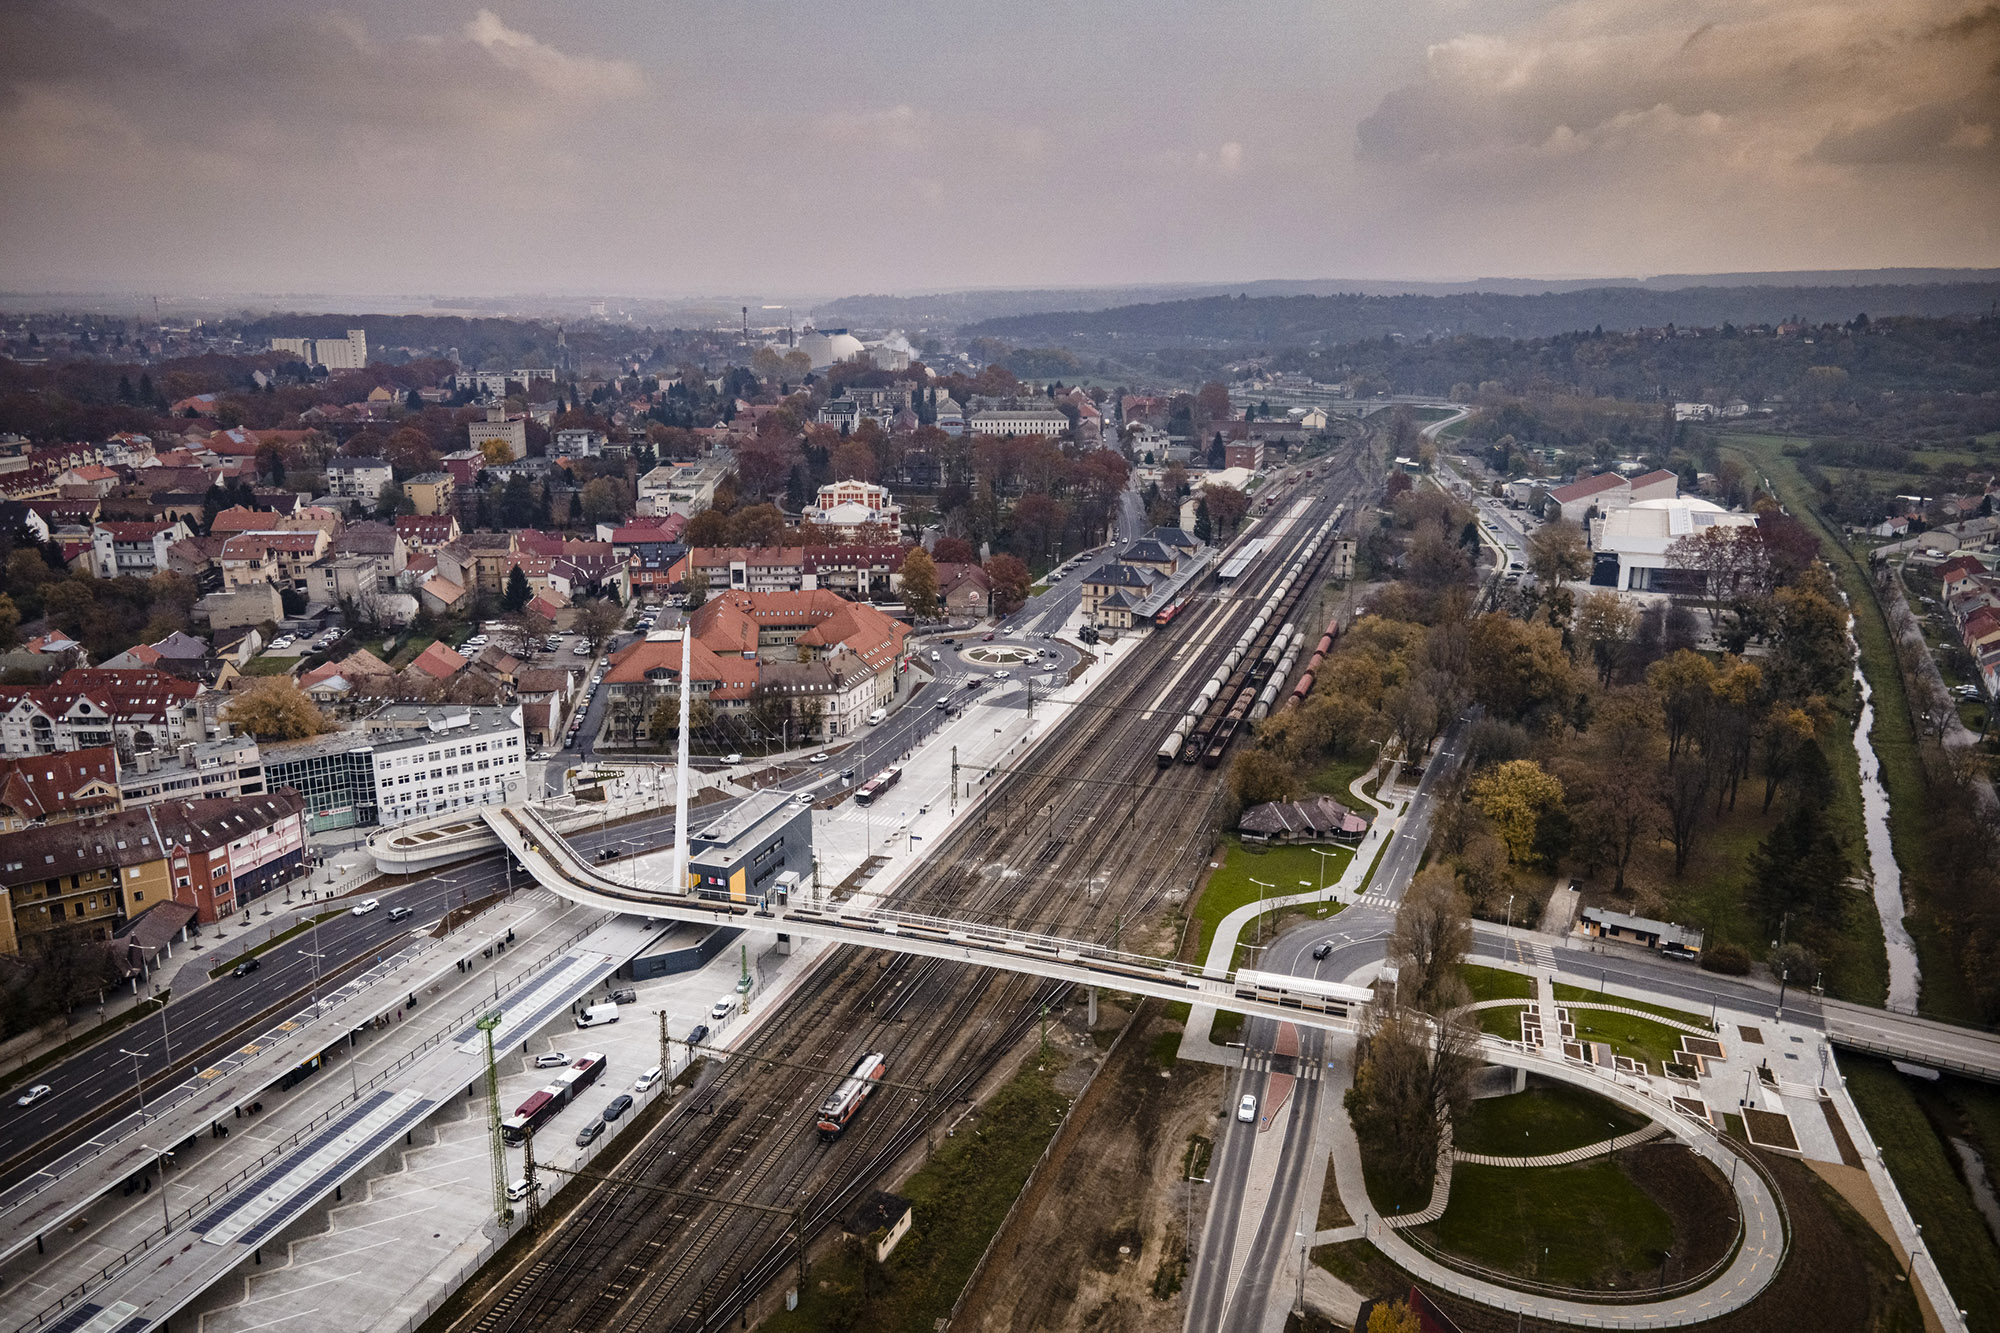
951	310
1299	321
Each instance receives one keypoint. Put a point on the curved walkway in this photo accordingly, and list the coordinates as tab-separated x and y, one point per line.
1755	1263
1602	1148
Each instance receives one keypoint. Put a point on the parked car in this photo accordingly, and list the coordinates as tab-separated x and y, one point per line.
551	1059
1246	1110
723	1007
365	906
645	1081
619	1106
33	1095
589	1134
697	1034
519	1190
624	995
247	966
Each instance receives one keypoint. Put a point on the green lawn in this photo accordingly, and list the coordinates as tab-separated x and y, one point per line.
1493	983
1590	995
1921	1166
1541	1120
1338	775
1502	1022
1640	1039
1582	1226
960	1198
1229	886
271	666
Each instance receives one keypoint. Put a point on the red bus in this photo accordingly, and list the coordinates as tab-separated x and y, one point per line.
532	1114
839	1108
876	785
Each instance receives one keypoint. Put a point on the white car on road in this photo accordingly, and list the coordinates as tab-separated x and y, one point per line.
1246	1110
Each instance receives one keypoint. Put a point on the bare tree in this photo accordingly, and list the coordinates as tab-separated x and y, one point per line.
1433	932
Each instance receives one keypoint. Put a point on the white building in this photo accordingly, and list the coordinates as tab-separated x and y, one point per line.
349	353
577	444
1608	491
512	431
360	479
683	488
133	550
1631	545
1015	416
429	760
828	346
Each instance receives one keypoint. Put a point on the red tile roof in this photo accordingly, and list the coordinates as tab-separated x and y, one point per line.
37	786
438	661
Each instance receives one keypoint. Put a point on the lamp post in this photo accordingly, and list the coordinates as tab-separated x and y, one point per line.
1322	853
138	1084
166	1213
315	966
1510	911
1261	886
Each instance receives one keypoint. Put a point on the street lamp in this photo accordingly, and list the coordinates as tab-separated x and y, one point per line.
138	1084
1322	853
315	957
1510	911
1261	886
166	1213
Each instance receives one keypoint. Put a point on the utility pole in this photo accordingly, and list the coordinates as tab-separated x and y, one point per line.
497	1148
954	779
666	1050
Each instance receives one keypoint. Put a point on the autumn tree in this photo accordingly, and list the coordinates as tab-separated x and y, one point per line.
1685	684
920	585
953	551
1516	796
1227	507
1259	775
1433	931
1394	1317
597	621
604	500
1558	553
1010	581
708	528
1605	626
275	709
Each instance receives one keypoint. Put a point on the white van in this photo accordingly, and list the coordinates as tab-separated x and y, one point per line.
598	1014
876	717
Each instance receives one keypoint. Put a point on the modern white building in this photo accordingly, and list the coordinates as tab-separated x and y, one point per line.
359	479
511	431
429	760
851	506
1631	545
1015	416
349	353
577	444
683	488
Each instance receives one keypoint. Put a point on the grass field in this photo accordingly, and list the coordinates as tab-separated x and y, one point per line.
1921	1165
1493	983
1566	992
1503	1022
1585	1225
1550	1119
1338	775
1229	885
960	1199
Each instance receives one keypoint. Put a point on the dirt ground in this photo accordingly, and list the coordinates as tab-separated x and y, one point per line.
1838	1274
1104	1224
1694	1194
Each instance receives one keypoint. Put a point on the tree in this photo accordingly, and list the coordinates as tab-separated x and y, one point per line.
1685	684
391	500
708	528
1010	581
1414	1073
598	621
1799	873
518	593
694	587
10	622
920	585
1259	775
1227	507
497	451
274	709
1516	796
1433	931
1394	1317
1605	626
953	551
604	500
1558	553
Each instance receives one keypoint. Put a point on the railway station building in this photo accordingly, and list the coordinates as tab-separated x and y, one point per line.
741	855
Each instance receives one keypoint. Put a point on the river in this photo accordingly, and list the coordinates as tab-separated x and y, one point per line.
1884	874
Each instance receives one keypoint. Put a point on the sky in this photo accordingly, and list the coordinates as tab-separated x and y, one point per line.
688	149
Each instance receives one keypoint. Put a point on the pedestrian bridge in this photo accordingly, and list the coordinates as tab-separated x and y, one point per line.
544	854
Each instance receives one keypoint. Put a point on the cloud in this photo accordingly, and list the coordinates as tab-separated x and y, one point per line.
1654	117
580	78
902	127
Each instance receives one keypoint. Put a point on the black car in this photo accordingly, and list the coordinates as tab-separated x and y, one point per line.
247	966
619	1106
625	996
698	1035
1322	949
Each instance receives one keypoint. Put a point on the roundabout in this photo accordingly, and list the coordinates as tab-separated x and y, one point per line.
1000	654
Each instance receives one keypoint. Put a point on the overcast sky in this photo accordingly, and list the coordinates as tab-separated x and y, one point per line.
635	146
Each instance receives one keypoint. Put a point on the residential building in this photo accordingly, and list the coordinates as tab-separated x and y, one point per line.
577	443
1247	454
683	488
360	480
88	707
133	550
430	760
427	532
431	493
228	767
964	590
282	558
226	852
83	876
56	788
510	431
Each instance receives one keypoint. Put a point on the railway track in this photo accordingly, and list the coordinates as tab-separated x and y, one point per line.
1071	841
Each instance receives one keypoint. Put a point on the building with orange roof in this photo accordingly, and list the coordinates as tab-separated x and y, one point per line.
438	662
56	788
